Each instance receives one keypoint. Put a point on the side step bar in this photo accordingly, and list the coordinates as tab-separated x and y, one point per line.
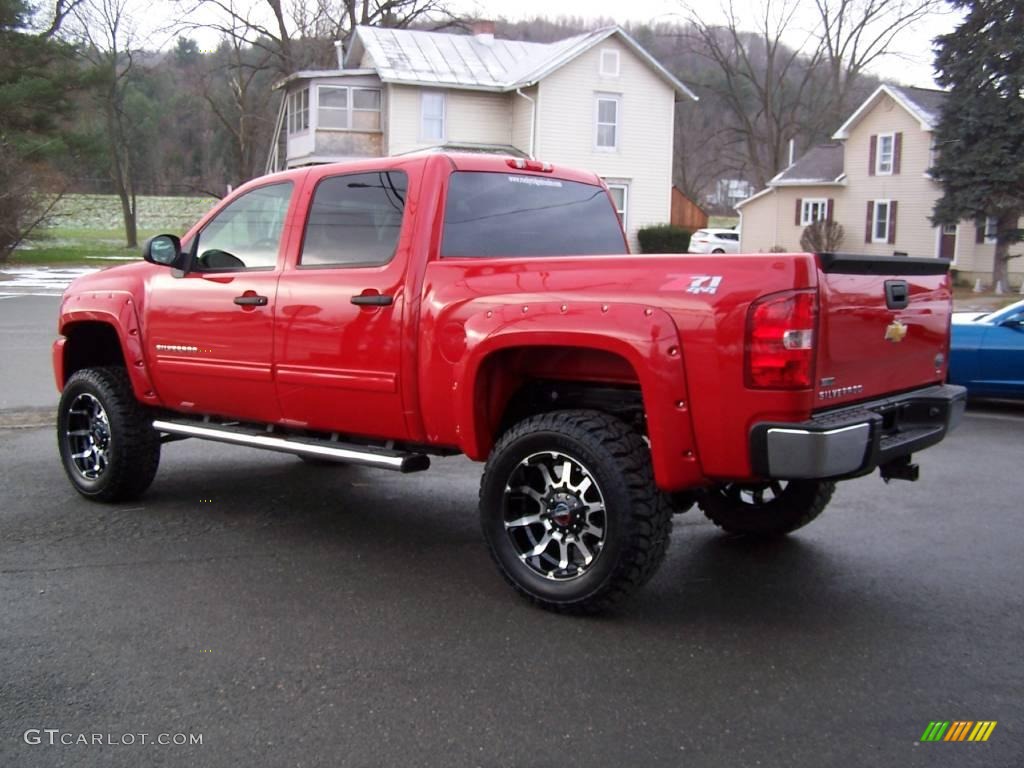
369	456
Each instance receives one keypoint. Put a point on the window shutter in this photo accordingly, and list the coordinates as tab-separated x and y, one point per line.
897	150
872	154
979	234
799	205
867	229
828	210
892	222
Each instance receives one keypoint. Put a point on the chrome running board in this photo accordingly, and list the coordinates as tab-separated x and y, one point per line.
369	456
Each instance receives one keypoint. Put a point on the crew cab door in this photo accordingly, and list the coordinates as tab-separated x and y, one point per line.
341	301
210	332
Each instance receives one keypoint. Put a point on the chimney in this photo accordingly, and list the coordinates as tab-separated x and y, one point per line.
339	48
483	30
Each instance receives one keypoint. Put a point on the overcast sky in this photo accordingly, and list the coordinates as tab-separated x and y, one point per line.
910	62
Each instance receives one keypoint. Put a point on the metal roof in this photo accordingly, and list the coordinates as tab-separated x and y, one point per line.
478	62
822	164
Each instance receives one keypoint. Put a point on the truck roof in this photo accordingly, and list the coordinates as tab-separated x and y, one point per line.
460	161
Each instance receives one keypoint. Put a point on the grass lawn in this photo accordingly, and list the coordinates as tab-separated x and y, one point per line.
87	230
723	222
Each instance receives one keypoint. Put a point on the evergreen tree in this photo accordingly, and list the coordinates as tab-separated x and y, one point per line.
36	77
980	136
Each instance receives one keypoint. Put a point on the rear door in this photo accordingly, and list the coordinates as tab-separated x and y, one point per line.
341	303
883	326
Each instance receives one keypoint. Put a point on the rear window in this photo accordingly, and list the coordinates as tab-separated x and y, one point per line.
499	214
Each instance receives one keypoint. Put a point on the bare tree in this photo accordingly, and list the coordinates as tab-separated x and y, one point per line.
107	37
801	88
764	83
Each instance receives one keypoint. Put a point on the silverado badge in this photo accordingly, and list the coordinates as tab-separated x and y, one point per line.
895	332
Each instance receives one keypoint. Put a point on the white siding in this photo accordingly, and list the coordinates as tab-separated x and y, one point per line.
566	129
471	116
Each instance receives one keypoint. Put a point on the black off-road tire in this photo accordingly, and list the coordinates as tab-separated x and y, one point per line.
637	516
734	509
133	450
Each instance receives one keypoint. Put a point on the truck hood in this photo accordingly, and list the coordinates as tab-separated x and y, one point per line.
122	277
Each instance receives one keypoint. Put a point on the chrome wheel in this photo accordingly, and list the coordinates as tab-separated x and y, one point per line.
88	436
554	515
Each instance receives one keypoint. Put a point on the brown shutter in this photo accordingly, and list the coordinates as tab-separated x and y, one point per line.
828	210
872	154
867	229
799	204
897	150
979	234
892	222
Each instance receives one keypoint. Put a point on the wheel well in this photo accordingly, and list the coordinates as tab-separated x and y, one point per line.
513	384
90	345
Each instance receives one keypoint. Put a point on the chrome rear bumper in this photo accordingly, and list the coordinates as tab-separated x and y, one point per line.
853	441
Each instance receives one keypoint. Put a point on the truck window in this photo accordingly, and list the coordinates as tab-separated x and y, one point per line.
508	214
354	220
246	234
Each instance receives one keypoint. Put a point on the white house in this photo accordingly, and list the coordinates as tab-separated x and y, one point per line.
596	101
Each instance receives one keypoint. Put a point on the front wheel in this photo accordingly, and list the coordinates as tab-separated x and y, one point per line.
768	509
107	443
570	511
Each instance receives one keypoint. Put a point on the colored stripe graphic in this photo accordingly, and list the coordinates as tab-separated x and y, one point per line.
958	730
935	730
982	730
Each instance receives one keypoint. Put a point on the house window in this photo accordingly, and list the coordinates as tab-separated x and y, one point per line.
432	116
607	122
886	153
991	230
346	108
620	196
881	221
812	210
298	111
609	63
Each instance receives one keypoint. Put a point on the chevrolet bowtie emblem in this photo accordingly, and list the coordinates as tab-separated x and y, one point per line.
895	332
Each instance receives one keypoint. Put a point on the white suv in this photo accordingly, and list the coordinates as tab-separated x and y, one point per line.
715	241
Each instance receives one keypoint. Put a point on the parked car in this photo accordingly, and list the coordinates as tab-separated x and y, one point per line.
384	311
715	241
987	352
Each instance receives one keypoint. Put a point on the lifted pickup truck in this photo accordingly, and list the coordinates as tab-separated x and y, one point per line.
382	311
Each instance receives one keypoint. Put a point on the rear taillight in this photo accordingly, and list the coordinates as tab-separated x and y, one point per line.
780	340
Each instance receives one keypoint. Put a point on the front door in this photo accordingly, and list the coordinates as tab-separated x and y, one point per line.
338	347
210	332
947	242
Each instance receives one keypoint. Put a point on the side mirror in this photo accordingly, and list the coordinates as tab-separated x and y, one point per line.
164	250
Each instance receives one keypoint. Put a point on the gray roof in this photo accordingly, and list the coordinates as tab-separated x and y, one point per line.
415	57
926	102
822	164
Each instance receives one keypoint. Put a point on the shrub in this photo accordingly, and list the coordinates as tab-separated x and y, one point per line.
664	238
822	237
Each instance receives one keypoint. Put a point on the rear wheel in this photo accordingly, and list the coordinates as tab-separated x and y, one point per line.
719	250
106	439
767	509
570	510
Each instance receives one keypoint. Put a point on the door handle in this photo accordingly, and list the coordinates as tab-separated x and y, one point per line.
251	300
373	300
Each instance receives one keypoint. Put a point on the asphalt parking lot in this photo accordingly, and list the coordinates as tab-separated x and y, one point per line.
300	616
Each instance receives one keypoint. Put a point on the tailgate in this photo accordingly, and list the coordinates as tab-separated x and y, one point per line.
883	327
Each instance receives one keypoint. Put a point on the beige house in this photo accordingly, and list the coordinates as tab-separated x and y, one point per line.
873	180
597	101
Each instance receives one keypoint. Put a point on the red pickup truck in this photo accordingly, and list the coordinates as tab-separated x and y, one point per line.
382	311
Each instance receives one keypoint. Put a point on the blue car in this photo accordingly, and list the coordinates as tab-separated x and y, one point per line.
987	352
